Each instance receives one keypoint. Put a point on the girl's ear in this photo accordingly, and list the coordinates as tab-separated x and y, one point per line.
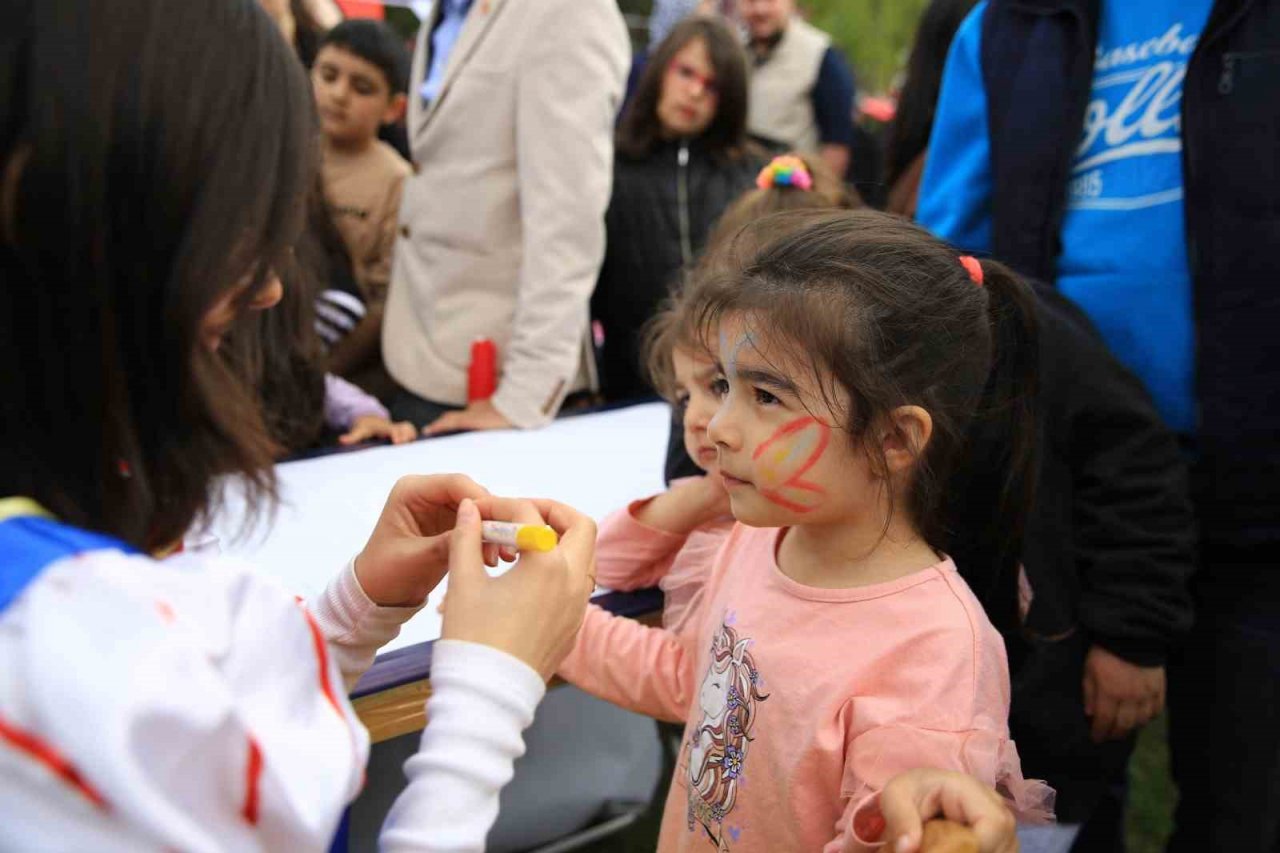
910	428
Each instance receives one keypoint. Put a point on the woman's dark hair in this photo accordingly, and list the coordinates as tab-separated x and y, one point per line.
908	133
139	185
279	352
726	136
886	315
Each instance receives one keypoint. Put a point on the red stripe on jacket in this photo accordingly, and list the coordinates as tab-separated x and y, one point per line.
35	748
253	774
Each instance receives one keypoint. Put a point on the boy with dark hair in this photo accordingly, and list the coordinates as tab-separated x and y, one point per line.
359	77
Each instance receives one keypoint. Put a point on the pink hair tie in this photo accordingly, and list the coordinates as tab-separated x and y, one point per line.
974	268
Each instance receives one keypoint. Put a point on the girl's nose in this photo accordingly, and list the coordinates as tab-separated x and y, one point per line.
722	430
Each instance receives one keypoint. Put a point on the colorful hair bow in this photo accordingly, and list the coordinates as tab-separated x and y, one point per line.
785	171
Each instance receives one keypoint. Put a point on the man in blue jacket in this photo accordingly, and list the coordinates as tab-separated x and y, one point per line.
1129	152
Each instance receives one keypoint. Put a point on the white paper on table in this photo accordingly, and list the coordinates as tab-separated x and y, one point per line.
595	463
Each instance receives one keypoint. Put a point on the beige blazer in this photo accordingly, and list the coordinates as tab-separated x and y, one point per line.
502	224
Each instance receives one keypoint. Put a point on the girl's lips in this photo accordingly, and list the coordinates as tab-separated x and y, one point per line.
730	481
707	454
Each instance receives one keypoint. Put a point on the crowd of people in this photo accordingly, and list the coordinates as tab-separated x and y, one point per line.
958	491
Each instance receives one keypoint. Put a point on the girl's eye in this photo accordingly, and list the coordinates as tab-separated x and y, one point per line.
764	398
682	400
363	88
719	386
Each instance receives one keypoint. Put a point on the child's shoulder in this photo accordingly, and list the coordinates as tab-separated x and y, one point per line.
389	161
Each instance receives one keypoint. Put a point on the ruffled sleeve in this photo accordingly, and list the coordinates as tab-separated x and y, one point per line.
877	756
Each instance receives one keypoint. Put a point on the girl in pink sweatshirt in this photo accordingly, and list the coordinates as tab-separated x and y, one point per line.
834	644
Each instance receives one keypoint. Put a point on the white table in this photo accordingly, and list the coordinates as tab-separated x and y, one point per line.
596	463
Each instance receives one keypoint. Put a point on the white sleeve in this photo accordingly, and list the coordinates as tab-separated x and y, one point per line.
187	705
354	626
481	702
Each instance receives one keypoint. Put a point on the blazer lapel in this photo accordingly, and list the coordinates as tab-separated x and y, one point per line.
479	20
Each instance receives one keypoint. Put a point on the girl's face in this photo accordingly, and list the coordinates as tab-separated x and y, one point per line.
689	96
783	460
218	320
695	376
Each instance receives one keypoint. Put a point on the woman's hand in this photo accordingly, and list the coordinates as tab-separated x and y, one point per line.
367	427
532	612
912	798
408	552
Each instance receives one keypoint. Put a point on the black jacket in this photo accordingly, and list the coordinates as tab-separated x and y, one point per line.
662	209
1037	52
1110	541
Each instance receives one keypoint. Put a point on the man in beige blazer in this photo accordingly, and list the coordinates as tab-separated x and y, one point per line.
502	224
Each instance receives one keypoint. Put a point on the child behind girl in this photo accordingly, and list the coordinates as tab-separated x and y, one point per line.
836	645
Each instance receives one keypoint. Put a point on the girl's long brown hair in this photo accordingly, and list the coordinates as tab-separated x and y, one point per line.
884	312
726	136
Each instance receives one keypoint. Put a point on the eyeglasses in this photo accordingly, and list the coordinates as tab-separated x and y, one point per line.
688	74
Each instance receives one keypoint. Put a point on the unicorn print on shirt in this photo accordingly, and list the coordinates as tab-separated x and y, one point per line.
717	746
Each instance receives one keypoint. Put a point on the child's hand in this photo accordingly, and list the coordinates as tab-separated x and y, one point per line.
917	796
366	427
408	551
1120	696
532	612
688	504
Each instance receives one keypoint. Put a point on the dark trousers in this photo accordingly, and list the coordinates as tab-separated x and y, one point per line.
1048	724
1224	703
407	406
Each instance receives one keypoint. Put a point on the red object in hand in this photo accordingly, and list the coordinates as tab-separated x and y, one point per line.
482	376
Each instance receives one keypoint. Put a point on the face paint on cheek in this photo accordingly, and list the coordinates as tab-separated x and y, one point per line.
785	457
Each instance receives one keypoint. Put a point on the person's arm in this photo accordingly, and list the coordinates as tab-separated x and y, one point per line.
502	638
1133	526
345	402
833	103
637	544
353	625
631	555
642	669
570	87
955	192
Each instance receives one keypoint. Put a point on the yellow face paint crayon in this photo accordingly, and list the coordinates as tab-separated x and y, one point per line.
524	537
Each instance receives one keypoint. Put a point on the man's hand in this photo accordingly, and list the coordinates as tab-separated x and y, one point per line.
478	415
1120	696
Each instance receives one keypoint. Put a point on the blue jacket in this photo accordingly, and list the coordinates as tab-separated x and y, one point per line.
1037	60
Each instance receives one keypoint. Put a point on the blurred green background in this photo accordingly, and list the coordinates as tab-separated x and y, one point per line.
874	34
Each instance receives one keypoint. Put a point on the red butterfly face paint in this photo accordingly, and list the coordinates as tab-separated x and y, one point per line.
785	457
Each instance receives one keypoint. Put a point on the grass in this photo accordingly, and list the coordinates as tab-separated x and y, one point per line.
1152	795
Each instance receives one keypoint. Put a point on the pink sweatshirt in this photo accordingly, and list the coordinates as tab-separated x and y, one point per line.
631	555
800	703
